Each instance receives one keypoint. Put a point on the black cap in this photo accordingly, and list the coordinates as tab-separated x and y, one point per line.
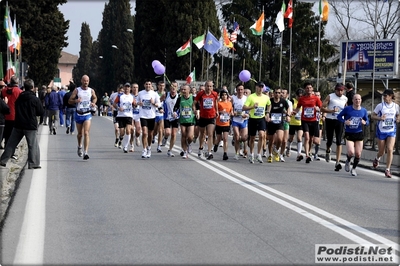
388	92
127	84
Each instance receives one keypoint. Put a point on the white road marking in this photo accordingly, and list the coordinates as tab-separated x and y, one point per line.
31	240
251	185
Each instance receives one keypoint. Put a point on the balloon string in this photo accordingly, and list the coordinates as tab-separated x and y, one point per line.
160	76
253	80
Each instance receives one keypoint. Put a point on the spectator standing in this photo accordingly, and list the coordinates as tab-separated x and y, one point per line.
62	93
4	110
54	104
11	92
27	108
70	110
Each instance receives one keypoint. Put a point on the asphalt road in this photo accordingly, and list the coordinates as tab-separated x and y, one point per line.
118	208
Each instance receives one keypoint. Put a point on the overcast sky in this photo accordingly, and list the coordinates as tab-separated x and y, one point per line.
91	12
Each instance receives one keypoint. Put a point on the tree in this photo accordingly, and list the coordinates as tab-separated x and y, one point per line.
116	65
43	29
157	40
357	20
84	63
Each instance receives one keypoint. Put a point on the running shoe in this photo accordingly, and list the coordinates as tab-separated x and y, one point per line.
316	158
353	172
269	159
225	156
185	156
153	140
132	149
328	156
265	154
375	163
244	154
125	150
189	149
120	144
182	153
200	152
251	158
86	156
221	143
67	130
308	159
215	148
170	154
282	159
144	153
276	157
299	158
347	166
164	141
80	153
287	152
236	157
259	158
210	156
137	141
388	174
54	131
159	149
148	154
338	166
116	143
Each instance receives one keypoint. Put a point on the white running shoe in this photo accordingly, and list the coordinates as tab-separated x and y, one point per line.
281	158
170	154
185	155
190	148
221	143
236	156
353	172
132	149
164	141
148	155
144	153
259	158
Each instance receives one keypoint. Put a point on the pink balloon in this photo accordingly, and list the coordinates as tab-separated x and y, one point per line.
244	75
155	62
159	69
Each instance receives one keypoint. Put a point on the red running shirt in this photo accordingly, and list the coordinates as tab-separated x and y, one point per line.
309	102
207	104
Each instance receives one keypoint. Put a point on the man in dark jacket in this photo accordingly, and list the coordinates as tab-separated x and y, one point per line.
54	103
27	108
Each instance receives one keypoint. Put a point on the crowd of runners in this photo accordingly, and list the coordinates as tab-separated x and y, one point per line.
267	118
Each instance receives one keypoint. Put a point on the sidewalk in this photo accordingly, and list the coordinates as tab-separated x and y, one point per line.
367	156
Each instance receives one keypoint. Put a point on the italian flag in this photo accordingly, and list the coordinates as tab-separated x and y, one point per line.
184	49
192	77
258	27
199	41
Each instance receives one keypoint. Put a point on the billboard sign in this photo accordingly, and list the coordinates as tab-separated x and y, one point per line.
357	56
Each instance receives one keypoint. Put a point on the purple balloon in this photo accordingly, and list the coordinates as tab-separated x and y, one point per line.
244	75
155	62
159	69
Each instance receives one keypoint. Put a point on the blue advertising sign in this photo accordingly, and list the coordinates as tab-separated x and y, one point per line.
357	56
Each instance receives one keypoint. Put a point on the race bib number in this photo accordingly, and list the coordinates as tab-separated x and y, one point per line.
208	103
297	116
127	107
84	106
146	104
388	123
309	112
259	111
186	112
276	118
224	117
355	122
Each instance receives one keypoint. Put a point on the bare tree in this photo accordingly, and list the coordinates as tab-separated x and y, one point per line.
358	20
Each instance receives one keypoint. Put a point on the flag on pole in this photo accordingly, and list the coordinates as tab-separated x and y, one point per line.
192	77
227	41
324	10
289	13
279	21
13	43
258	27
235	32
8	24
199	41
212	45
184	49
19	42
10	70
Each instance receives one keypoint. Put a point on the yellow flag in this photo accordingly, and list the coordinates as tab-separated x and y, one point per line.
325	11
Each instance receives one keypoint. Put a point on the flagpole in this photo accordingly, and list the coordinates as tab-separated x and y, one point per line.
191	48
222	70
8	50
233	55
202	64
345	62
319	50
290	61
259	74
373	63
280	61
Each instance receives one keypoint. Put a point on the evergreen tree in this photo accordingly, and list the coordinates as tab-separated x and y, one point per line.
43	29
155	39
84	62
